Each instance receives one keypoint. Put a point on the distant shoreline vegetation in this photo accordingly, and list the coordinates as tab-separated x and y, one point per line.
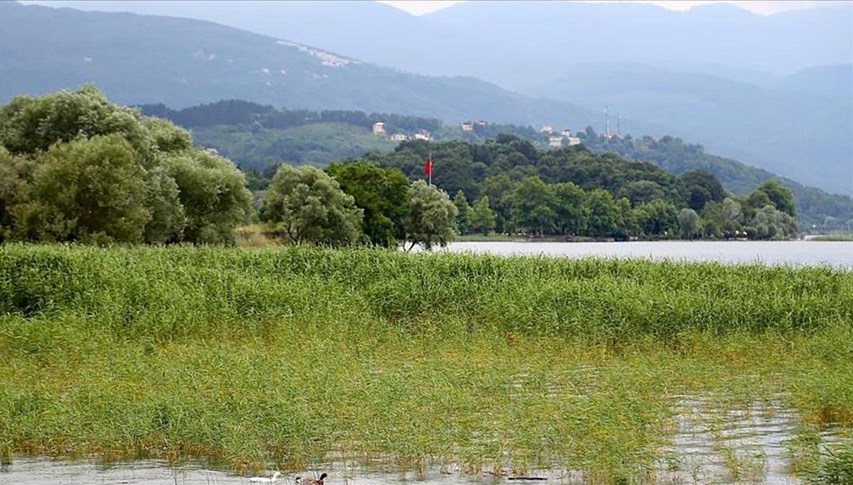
78	168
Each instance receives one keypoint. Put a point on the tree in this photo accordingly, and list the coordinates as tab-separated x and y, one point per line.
732	215
383	196
432	219
657	218
89	170
603	219
781	198
497	188
700	187
570	214
713	220
87	190
311	207
688	221
463	212
212	192
482	216
770	223
532	205
14	172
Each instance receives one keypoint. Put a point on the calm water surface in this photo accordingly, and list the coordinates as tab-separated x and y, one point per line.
790	253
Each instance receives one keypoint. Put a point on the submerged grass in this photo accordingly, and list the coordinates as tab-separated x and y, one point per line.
292	356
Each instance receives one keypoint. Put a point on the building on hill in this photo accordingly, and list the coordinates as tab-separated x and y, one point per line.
379	128
573	140
423	135
467	126
482	123
398	137
555	142
567	132
547	130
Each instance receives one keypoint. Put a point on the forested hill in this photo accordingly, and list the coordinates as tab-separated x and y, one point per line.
257	136
473	168
572	191
137	59
815	207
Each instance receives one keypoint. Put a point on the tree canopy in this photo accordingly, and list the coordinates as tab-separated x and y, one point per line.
311	207
432	219
79	168
381	193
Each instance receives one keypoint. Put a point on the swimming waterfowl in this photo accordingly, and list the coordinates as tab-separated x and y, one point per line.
312	481
266	479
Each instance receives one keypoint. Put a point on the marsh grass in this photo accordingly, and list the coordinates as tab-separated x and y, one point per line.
288	357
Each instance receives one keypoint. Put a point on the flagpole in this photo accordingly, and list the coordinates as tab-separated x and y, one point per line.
430	167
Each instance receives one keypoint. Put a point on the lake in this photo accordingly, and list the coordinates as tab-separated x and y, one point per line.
838	254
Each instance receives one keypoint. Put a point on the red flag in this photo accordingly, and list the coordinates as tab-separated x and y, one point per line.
428	167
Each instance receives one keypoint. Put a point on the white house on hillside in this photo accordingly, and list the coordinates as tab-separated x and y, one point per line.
379	128
555	142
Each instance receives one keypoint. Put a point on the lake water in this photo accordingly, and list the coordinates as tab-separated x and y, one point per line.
791	253
711	442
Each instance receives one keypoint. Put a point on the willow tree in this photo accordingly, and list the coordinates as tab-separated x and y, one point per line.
432	217
80	168
310	207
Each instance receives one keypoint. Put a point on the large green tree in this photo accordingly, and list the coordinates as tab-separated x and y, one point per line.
87	190
781	198
570	209
603	214
432	219
88	170
463	212
482	216
532	204
311	207
381	193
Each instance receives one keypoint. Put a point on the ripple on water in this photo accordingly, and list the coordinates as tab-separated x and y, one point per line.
713	441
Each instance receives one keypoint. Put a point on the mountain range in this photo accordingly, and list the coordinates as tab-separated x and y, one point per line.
138	59
772	91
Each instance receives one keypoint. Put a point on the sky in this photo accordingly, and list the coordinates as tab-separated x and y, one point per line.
763	7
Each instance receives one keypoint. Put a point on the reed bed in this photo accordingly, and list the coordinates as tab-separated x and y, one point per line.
293	356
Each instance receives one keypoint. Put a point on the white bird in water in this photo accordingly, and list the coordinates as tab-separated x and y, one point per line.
265	479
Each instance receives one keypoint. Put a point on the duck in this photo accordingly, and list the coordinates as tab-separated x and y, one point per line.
312	481
266	479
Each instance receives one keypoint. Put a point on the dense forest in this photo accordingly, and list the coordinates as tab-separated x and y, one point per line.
816	209
510	186
78	168
257	136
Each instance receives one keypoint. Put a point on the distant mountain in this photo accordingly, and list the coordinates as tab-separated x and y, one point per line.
501	41
799	127
139	59
832	82
715	74
550	34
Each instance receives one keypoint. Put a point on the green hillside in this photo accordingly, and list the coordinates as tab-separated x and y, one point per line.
257	136
136	59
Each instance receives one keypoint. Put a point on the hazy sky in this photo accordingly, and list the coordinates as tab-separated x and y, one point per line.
418	7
